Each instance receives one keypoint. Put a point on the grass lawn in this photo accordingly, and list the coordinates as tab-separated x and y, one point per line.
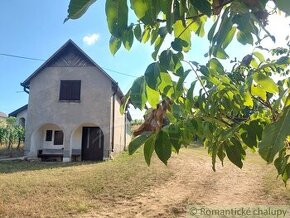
36	189
126	187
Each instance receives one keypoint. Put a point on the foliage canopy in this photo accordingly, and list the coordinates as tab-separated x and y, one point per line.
234	110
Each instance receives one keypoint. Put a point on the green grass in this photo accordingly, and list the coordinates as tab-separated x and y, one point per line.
36	189
54	189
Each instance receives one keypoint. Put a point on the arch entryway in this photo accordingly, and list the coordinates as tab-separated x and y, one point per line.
47	136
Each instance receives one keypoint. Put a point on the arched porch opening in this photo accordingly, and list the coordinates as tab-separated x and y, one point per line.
47	136
88	138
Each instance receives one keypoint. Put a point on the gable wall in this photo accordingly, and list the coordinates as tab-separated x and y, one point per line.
94	106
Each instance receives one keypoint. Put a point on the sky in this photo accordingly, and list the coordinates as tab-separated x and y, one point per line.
35	29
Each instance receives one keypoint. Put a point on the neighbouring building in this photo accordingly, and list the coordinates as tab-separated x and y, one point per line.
73	107
2	116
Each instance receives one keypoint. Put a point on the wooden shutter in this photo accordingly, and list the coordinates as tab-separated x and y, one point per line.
58	138
70	90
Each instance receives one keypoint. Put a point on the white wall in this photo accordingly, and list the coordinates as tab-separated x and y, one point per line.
94	107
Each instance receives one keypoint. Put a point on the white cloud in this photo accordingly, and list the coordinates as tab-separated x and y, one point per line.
91	39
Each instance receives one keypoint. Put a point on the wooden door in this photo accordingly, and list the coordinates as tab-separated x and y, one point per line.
92	144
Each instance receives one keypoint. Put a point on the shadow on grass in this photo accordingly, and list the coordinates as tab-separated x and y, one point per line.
14	166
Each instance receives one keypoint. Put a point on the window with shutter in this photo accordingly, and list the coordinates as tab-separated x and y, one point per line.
58	138
48	137
70	90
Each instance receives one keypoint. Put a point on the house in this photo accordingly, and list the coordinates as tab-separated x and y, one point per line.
73	109
2	116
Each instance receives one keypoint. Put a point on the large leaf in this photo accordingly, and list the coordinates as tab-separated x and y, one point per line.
153	97
128	38
166	60
183	33
251	133
235	152
144	10
174	133
137	143
152	76
149	148
274	136
77	8
266	82
258	91
137	94
163	146
125	101
203	6
115	44
117	16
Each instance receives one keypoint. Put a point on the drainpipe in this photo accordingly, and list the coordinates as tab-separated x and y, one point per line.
125	133
115	88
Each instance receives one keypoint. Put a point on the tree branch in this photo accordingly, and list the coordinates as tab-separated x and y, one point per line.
197	76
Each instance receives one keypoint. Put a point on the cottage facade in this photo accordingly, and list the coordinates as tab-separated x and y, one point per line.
73	105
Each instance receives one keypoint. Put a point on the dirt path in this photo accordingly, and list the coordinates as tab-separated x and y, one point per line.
194	182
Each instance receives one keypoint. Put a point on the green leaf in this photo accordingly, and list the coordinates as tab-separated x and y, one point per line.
149	147
128	37
137	94
283	60
203	6
154	35
163	146
283	5
286	174
216	66
174	133
274	136
157	46
146	35
251	133
182	33
77	8
178	44
189	95
166	60
259	56
234	152
219	52
152	76
153	97
265	82
137	143
245	38
145	10
258	91
125	101
248	100
212	30
169	15
165	81
115	44
117	16
229	37
138	32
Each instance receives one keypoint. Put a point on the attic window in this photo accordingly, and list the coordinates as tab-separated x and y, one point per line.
70	90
